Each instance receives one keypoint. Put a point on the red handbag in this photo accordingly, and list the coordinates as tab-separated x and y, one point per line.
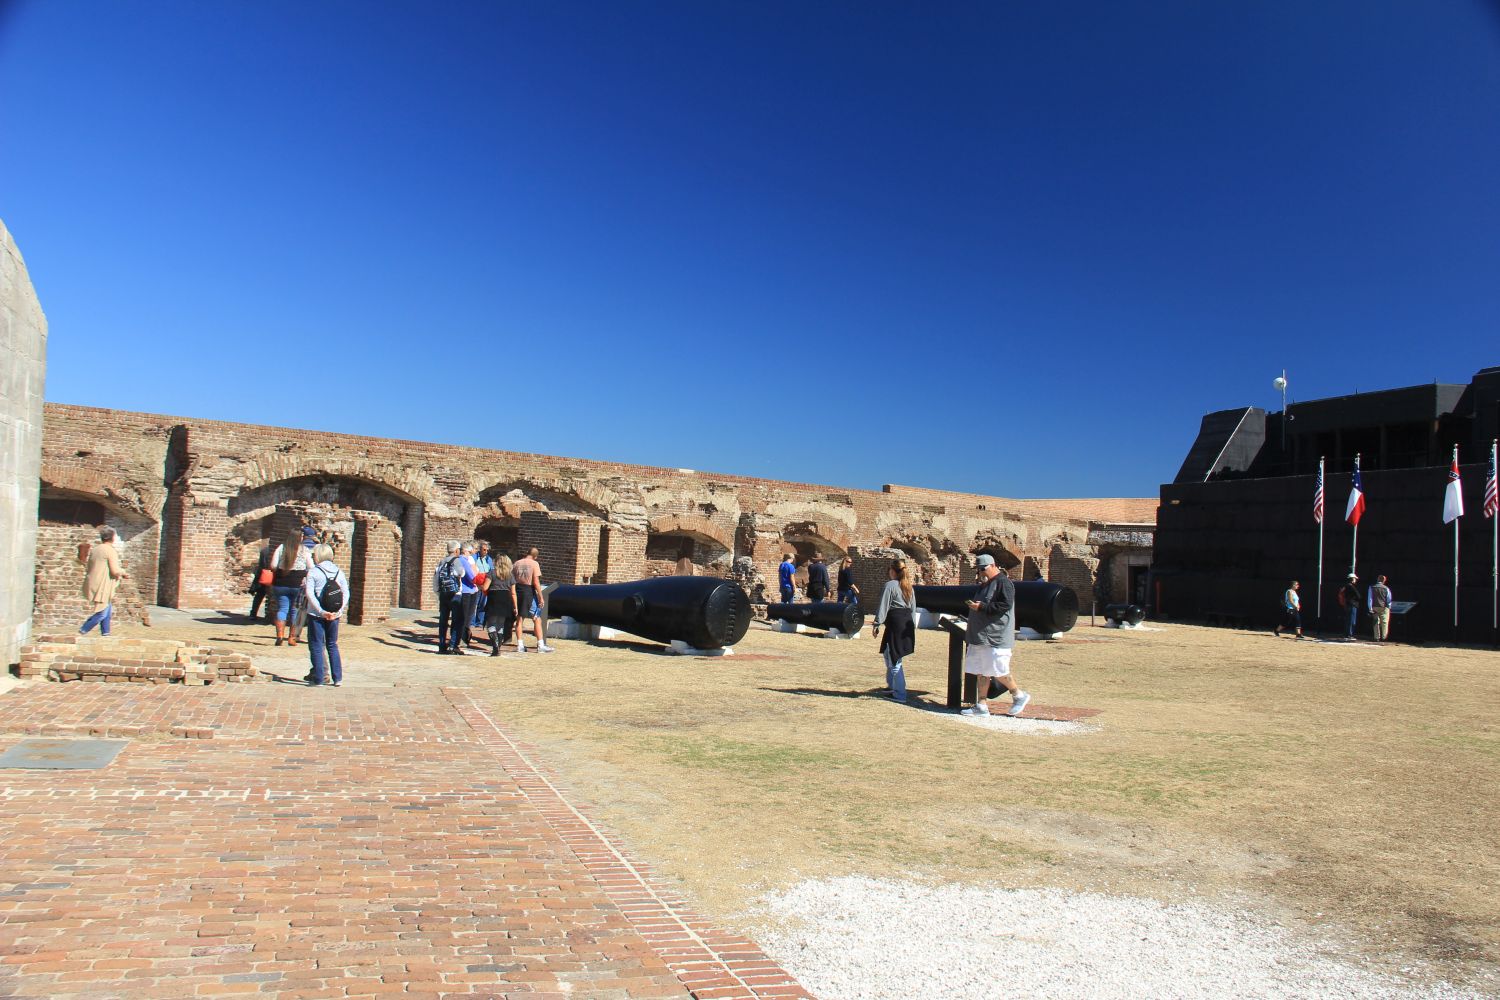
265	578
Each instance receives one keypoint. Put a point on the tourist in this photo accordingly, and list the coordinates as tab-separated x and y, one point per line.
1291	610
527	573
1349	601
848	592
446	583
784	574
102	574
310	539
468	596
486	565
260	591
289	565
501	612
817	579
1378	600
325	595
898	603
991	638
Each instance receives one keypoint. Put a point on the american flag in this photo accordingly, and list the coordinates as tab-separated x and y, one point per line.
1318	493
1491	494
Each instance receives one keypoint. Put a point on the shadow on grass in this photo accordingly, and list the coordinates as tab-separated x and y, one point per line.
882	693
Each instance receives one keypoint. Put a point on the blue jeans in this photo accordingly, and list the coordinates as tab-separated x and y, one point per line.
848	597
895	677
100	618
479	605
286	599
1353	620
787	593
323	633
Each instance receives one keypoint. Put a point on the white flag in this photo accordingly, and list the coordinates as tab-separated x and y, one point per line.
1453	498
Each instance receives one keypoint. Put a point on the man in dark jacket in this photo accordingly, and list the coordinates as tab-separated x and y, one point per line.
1349	601
848	591
817	579
991	638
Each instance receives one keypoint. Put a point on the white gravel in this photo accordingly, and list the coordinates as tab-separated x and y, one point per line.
865	939
1000	722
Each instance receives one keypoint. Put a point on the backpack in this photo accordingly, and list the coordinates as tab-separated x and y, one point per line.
332	597
446	583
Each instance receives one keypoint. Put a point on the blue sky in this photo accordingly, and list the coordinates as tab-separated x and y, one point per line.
1001	248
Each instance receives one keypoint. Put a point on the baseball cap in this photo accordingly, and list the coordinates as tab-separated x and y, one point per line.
985	559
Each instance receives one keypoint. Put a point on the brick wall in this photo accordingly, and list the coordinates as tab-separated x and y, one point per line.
592	519
59	577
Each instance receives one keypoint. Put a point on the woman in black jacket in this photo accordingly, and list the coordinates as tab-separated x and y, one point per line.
897	610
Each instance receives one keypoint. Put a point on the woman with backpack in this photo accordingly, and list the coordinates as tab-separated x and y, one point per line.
327	594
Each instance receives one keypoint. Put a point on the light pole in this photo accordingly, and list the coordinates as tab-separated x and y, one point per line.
1280	383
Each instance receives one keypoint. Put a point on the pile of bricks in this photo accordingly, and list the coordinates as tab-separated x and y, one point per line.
73	657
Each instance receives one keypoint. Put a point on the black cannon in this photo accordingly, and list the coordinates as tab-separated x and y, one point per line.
847	618
703	611
1125	614
1046	607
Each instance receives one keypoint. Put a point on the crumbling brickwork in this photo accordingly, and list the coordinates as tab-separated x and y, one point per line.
206	492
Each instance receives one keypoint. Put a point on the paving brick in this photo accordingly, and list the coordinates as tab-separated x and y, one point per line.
299	854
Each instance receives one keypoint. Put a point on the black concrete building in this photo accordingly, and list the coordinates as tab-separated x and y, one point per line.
1237	523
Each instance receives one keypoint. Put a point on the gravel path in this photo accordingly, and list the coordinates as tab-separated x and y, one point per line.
863	939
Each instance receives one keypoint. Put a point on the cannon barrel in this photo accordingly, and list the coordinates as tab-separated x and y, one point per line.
847	618
1125	614
1046	607
703	611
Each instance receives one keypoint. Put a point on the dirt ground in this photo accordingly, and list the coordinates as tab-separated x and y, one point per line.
1351	789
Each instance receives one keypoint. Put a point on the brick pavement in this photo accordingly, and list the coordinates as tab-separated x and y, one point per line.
362	842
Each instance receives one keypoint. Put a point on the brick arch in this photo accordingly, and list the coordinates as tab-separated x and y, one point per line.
1007	549
96	485
831	534
688	524
269	468
585	498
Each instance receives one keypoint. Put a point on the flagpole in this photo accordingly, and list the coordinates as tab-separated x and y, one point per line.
1354	547
1323	516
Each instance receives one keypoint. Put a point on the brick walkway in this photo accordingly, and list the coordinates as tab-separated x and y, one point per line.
353	843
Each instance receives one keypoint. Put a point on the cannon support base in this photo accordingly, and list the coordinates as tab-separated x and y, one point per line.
681	648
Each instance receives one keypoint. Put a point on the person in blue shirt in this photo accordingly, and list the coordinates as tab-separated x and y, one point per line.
788	589
486	565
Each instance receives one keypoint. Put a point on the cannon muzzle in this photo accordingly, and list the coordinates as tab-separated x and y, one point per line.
847	618
1046	607
1125	614
703	611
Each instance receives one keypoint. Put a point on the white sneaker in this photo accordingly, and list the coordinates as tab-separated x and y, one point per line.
544	648
976	710
1018	706
520	647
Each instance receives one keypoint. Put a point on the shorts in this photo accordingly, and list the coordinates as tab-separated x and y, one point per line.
525	597
987	661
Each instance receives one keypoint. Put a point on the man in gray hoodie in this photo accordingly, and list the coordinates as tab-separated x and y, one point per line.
991	638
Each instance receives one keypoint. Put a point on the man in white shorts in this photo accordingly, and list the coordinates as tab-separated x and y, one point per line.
991	638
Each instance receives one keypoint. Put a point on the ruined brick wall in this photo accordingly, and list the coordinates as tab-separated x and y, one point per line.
23	367
214	487
59	576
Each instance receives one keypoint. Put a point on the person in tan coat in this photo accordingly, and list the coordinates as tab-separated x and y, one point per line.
102	574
